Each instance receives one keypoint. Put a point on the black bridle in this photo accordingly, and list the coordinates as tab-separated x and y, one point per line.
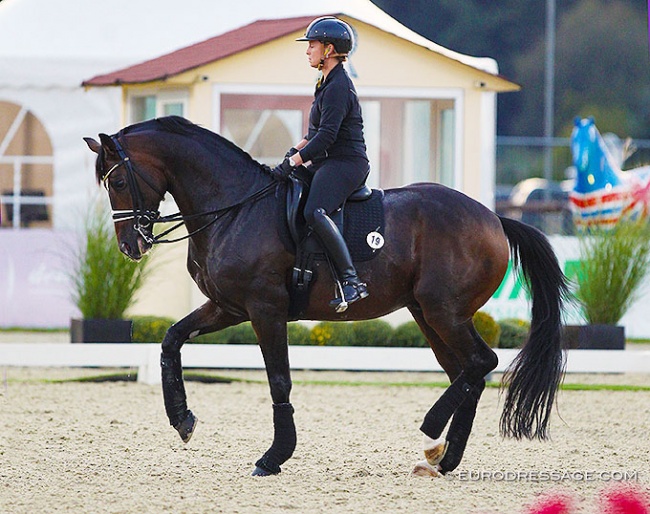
145	219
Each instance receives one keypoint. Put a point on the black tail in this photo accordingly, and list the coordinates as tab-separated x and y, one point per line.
534	376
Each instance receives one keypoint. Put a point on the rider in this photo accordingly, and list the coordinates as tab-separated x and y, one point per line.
335	146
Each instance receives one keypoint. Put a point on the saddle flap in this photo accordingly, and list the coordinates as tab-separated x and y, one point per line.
295	199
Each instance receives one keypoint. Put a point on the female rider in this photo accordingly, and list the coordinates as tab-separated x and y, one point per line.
333	149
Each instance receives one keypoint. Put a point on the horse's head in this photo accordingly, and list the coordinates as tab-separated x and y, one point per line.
593	164
583	143
136	185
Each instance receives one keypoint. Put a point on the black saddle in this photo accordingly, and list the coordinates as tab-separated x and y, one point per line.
360	219
297	192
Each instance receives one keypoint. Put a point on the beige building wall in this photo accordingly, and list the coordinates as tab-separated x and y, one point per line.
385	64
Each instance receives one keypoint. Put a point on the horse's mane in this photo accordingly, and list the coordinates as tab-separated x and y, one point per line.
182	126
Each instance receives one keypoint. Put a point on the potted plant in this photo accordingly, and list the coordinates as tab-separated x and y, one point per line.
613	265
104	283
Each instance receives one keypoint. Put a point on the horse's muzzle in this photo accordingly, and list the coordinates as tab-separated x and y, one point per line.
136	253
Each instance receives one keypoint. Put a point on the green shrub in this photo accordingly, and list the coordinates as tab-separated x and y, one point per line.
329	333
514	332
298	334
150	329
238	334
487	328
409	335
374	332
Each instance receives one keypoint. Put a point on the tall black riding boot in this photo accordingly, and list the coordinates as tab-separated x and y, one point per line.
330	236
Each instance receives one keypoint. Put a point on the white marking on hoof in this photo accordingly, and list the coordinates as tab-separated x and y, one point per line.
424	469
434	449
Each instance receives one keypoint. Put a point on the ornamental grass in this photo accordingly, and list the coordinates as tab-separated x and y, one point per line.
614	263
104	280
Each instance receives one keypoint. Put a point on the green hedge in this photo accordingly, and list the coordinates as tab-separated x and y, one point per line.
409	335
298	334
509	333
487	328
374	332
150	329
514	333
330	333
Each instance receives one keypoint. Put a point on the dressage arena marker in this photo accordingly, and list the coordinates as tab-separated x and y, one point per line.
146	357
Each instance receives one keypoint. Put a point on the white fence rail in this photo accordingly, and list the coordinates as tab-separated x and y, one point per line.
146	358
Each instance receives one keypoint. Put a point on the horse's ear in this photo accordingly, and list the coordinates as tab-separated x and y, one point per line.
92	144
108	143
577	121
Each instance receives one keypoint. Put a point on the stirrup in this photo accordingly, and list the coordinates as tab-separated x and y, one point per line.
356	291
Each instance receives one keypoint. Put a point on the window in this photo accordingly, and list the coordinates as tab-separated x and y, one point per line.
265	126
144	107
26	169
408	139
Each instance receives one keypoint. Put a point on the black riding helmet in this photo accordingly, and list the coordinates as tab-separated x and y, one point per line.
329	29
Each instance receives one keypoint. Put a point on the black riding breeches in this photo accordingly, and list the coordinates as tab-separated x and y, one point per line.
334	180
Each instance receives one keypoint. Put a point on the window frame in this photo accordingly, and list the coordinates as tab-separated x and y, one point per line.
15	202
162	98
455	95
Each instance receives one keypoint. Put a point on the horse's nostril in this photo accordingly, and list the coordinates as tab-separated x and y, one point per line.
125	248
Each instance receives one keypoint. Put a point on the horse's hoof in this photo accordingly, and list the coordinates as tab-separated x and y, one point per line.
434	450
186	428
424	469
259	472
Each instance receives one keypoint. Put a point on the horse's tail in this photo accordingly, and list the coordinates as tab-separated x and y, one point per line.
534	376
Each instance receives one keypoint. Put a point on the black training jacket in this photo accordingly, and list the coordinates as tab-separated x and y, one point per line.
335	122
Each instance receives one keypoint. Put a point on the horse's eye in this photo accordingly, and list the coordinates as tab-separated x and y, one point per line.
118	184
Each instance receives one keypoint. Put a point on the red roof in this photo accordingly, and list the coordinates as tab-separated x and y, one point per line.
199	54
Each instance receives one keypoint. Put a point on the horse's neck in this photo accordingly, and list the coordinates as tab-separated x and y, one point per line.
209	183
607	155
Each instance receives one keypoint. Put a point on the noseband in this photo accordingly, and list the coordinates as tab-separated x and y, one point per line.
145	219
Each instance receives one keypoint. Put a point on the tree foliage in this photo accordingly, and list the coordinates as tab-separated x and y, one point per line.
601	61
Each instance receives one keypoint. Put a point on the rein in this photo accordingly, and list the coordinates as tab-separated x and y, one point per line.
145	219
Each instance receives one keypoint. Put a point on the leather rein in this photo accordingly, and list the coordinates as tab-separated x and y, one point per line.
145	219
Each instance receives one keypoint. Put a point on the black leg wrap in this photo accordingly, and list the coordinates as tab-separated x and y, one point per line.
284	439
459	431
438	416
174	389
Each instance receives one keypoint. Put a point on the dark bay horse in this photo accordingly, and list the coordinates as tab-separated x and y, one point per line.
445	255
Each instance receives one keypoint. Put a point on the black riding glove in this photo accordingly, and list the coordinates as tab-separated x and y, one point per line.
292	151
283	170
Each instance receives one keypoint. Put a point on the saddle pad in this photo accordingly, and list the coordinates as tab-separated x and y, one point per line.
364	226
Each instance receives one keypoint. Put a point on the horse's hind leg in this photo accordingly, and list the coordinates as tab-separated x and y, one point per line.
460	400
205	319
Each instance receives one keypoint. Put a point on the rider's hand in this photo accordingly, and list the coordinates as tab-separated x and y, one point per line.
292	151
283	170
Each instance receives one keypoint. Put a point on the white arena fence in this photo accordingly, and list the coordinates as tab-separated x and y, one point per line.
146	358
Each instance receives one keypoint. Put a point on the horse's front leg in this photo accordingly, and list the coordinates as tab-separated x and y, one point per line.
207	318
272	335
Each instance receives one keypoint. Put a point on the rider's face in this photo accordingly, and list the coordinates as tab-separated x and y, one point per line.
315	52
